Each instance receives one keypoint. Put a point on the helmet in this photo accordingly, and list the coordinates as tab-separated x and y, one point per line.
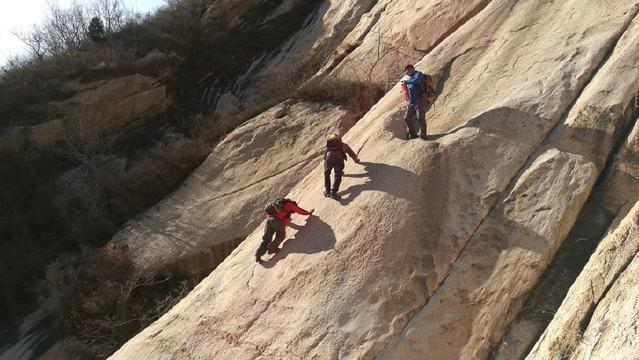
332	136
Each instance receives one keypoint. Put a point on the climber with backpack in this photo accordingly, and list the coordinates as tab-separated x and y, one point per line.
278	217
334	158
420	97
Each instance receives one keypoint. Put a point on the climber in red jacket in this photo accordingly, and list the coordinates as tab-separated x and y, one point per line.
278	217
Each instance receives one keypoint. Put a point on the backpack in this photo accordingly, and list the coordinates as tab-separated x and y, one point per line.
405	92
429	92
335	145
276	206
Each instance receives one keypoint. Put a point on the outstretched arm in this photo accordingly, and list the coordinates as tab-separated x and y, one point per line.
294	208
350	153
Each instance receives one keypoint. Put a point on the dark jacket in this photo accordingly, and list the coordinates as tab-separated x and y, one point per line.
336	150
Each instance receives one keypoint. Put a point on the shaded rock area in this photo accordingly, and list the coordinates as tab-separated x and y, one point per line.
598	315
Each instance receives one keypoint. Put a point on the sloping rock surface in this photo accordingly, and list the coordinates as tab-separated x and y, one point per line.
604	112
435	244
100	108
484	291
395	33
222	201
612	331
327	29
607	269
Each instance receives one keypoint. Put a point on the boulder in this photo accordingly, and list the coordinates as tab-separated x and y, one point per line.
621	186
101	108
228	105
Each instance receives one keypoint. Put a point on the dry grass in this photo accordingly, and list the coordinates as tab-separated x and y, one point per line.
356	97
102	301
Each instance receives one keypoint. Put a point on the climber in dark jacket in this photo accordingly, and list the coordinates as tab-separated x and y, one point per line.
278	217
334	158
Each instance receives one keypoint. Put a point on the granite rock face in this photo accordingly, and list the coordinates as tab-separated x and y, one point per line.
600	297
100	108
222	201
436	244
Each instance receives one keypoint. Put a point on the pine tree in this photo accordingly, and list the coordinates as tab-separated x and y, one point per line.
96	30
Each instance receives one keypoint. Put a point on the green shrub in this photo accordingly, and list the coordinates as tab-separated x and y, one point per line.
96	30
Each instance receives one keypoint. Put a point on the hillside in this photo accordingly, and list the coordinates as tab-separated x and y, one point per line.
436	246
510	233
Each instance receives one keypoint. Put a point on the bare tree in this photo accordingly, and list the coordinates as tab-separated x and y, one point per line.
112	12
373	57
34	40
65	29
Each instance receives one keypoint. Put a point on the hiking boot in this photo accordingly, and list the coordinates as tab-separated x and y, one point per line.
423	137
335	196
258	259
327	194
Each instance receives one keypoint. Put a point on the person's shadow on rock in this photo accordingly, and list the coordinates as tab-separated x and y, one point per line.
379	177
315	236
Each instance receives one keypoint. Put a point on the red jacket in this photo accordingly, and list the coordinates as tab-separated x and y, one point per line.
289	208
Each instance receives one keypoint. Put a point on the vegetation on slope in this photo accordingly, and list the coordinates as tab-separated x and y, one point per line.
62	206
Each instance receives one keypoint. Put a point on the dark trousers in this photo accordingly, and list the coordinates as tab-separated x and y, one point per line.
331	163
416	112
274	226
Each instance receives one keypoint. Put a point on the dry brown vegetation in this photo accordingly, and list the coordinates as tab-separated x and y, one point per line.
99	297
357	97
76	196
70	201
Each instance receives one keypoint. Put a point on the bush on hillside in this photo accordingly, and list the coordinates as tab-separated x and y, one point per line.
46	215
65	30
357	97
100	299
96	30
